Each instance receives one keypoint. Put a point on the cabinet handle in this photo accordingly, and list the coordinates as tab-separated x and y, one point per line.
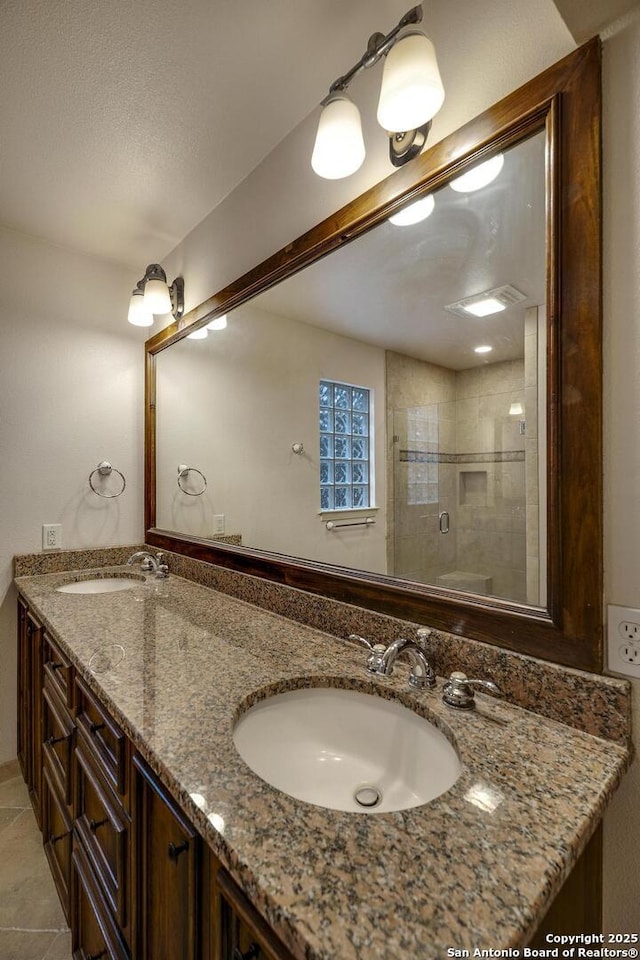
94	727
59	837
95	825
251	954
175	851
54	665
51	741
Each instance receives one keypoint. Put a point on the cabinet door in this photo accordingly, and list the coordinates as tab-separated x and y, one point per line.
24	694
167	868
243	933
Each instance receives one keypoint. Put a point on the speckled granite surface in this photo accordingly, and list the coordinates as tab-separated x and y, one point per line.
474	868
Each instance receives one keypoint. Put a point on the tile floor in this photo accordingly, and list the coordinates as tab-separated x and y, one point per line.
32	925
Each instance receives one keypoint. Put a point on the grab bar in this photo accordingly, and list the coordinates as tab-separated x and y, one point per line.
334	525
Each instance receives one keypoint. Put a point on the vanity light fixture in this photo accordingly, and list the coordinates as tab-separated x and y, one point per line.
515	410
415	213
478	177
153	295
410	96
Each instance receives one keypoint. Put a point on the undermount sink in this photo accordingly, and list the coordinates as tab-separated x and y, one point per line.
100	585
346	750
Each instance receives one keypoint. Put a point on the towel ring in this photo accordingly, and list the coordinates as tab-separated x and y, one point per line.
184	471
104	468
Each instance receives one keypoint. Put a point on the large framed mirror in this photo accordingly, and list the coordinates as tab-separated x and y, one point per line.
405	413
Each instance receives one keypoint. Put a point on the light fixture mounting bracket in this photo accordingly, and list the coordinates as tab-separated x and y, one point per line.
405	146
176	292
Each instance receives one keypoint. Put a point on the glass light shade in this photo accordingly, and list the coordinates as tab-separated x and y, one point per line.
339	148
515	410
412	91
200	334
156	296
414	213
139	315
219	323
480	176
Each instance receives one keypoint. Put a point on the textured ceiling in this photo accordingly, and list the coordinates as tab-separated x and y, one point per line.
124	122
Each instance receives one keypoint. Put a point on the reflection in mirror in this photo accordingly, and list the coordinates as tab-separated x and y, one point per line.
406	365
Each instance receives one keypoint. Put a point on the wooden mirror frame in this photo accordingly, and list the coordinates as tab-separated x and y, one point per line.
565	101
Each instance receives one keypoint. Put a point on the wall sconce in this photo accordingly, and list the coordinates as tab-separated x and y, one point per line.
153	295
410	96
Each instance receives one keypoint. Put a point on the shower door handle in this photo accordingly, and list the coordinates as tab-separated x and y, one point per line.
444	522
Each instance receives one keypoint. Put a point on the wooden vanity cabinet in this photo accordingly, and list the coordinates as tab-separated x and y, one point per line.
135	879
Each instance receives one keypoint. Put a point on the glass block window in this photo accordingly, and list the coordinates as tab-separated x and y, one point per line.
345	444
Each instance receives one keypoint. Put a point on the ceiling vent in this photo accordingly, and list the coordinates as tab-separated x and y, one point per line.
488	302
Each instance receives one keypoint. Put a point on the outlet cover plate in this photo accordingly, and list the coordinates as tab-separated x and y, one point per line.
622	649
51	536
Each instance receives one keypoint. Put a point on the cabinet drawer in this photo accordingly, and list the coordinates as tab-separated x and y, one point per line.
103	737
56	836
57	733
94	934
103	827
58	670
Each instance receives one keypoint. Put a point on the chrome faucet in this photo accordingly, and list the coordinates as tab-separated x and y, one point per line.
381	659
150	564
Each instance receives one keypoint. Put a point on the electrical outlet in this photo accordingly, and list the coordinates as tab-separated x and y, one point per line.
51	536
218	523
629	630
623	633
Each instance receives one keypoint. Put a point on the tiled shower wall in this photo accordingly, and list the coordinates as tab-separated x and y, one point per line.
455	447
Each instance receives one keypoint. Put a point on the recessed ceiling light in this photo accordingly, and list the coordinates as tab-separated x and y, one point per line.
218	324
479	176
414	213
198	334
484	307
485	348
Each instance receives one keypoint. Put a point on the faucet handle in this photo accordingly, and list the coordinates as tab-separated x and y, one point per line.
358	639
422	635
458	690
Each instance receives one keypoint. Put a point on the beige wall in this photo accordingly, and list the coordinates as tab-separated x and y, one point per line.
71	374
622	425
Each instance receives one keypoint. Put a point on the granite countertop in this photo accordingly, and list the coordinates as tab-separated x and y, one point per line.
177	663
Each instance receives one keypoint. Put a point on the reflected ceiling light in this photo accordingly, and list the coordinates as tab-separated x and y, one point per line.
201	334
414	213
488	302
485	348
219	323
479	176
410	96
515	410
153	295
484	307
